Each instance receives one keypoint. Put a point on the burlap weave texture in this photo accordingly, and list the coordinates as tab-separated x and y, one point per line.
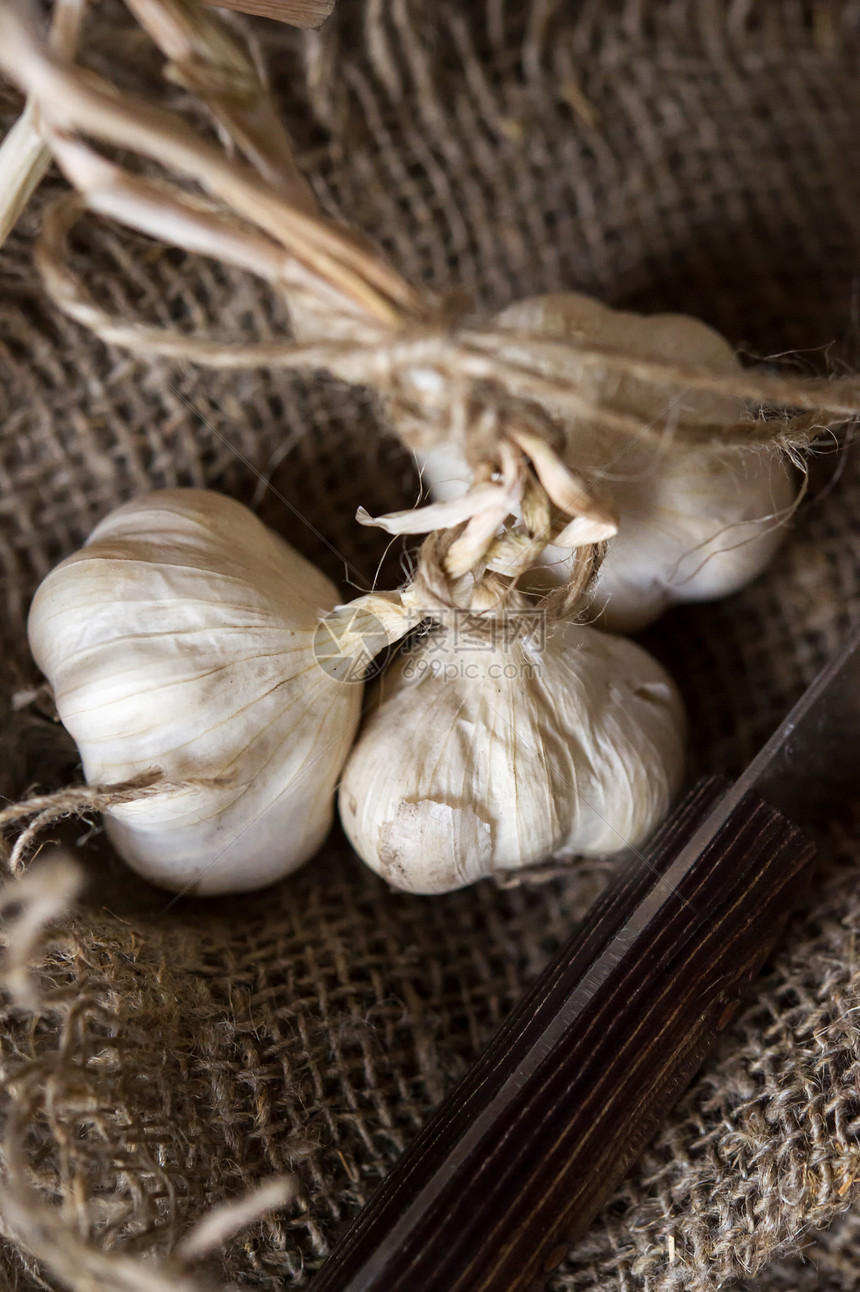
683	155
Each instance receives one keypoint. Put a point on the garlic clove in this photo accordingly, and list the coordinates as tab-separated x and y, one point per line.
526	750
181	637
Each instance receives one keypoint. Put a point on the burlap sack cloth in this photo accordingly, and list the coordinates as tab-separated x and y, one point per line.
686	156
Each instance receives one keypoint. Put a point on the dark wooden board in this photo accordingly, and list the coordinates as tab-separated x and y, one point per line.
298	13
529	1144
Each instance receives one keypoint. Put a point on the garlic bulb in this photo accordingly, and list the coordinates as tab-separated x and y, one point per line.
181	637
525	749
693	525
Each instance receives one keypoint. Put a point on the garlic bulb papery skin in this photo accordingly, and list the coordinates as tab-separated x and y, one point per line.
701	530
485	757
694	524
181	637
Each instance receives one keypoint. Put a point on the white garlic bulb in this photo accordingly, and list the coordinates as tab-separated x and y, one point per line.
693	525
181	637
486	756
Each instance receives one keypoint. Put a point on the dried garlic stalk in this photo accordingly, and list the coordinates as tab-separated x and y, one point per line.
213	61
438	370
24	155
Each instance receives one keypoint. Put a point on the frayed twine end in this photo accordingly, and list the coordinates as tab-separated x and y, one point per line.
77	800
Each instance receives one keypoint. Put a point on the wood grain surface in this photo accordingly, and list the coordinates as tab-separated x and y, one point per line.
298	13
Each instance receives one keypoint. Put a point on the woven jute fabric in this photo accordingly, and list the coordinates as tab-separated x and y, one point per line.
685	155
